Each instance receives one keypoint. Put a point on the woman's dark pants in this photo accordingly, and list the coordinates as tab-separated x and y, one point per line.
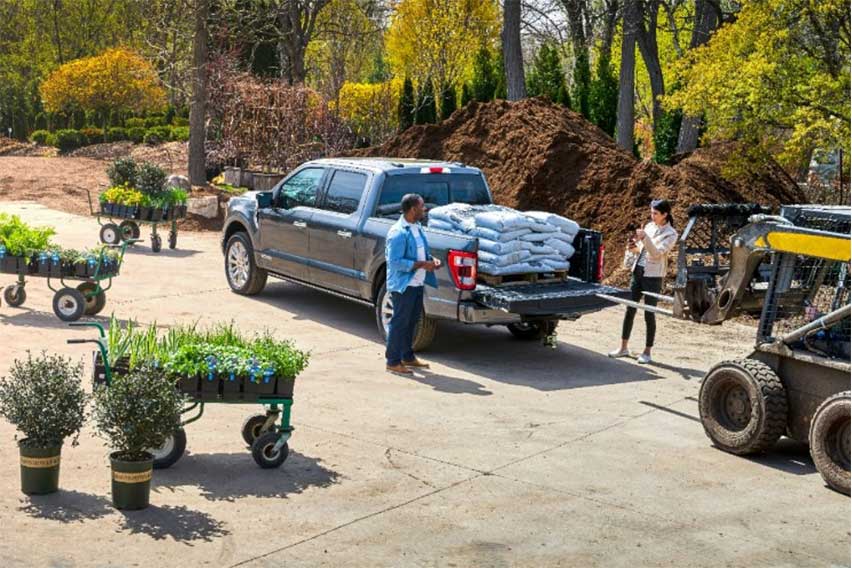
407	307
638	284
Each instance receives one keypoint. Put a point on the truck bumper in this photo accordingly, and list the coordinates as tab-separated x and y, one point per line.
472	312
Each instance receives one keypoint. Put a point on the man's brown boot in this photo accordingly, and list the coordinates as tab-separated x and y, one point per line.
399	368
416	363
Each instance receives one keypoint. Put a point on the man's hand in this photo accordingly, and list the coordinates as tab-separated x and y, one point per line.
428	265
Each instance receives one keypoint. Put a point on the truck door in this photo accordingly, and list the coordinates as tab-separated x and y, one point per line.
284	226
332	231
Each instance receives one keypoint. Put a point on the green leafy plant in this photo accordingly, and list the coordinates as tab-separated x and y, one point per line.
150	178
137	411
136	134
22	240
40	137
158	135
43	397
92	135
154	120
180	121
122	195
69	139
180	133
135	123
116	134
123	171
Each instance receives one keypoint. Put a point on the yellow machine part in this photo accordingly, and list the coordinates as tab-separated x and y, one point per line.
819	246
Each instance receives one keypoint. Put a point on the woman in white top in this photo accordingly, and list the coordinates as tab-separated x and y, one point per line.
649	251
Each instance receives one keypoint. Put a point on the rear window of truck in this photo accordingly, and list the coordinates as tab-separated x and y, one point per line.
436	189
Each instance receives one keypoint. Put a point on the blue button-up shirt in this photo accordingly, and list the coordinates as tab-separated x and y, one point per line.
401	254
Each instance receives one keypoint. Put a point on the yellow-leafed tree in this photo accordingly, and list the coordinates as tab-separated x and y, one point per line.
440	38
370	109
117	79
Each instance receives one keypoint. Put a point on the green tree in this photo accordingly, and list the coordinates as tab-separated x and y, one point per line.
501	87
466	95
448	102
603	103
777	78
406	105
380	71
665	136
582	82
546	77
426	112
484	83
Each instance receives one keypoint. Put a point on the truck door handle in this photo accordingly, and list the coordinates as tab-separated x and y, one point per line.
300	224
345	234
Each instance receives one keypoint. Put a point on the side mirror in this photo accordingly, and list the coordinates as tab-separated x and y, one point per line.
264	200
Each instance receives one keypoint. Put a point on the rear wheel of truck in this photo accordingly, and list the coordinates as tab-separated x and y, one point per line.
532	330
424	332
244	276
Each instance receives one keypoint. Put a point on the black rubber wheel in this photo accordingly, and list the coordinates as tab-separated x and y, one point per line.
15	295
829	441
156	243
243	275
263	452
129	230
424	331
252	428
69	304
171	451
94	303
533	330
110	234
172	240
743	406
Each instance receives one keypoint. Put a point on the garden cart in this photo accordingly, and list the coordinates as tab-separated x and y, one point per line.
70	302
124	221
266	434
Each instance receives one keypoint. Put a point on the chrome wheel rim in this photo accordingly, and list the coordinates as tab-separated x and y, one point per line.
238	264
387	311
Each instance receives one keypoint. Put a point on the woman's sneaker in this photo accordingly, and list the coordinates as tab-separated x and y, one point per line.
618	353
644	359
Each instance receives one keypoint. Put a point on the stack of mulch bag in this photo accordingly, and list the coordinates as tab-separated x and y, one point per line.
511	241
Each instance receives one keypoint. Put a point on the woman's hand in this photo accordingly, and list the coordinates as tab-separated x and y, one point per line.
640	234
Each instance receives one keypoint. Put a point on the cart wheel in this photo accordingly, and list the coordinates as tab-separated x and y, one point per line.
69	304
252	428
264	453
829	441
95	301
129	230
172	239
743	406
171	451
15	295
110	234
156	243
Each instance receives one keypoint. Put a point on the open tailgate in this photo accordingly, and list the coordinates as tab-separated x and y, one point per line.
569	297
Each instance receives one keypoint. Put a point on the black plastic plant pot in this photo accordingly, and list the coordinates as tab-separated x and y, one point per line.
49	268
10	264
259	385
81	269
181	212
284	387
189	386
209	388
144	214
231	387
131	482
156	214
39	469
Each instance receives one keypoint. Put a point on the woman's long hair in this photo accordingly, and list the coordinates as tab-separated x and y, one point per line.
664	207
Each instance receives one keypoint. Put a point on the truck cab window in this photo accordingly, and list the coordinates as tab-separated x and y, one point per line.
436	190
344	192
301	189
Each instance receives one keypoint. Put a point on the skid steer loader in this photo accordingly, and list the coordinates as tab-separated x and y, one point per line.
792	271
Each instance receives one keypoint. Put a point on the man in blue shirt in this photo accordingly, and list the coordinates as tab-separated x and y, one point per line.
409	267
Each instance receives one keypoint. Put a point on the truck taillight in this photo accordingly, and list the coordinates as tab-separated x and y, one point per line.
462	267
600	269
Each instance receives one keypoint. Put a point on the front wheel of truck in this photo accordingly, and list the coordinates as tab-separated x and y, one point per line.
426	328
244	276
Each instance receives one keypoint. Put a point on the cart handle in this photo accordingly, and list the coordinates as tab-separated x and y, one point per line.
89	195
94	324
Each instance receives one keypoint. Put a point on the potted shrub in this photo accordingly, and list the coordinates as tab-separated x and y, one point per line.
44	398
135	412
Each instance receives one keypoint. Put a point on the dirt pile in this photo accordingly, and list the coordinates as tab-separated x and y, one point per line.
537	155
12	147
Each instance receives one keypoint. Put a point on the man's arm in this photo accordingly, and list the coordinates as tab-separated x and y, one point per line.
395	253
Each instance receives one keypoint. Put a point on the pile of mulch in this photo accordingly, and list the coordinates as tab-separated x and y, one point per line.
537	155
171	156
12	147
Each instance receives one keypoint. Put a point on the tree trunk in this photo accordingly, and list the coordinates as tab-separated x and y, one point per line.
626	78
646	37
706	20
610	22
512	56
198	107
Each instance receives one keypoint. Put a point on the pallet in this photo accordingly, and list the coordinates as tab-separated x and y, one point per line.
527	278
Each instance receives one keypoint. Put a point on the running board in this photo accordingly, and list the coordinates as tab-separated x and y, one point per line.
321	289
637	305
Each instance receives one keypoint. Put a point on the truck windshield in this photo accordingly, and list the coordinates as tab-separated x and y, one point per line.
436	189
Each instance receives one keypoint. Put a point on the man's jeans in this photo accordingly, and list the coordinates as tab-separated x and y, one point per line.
407	306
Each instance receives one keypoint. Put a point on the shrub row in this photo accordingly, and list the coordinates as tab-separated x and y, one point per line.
70	139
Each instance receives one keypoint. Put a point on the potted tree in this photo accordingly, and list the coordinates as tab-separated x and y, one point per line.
44	398
133	413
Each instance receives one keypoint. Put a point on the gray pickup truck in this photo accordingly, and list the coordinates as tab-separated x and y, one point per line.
324	227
